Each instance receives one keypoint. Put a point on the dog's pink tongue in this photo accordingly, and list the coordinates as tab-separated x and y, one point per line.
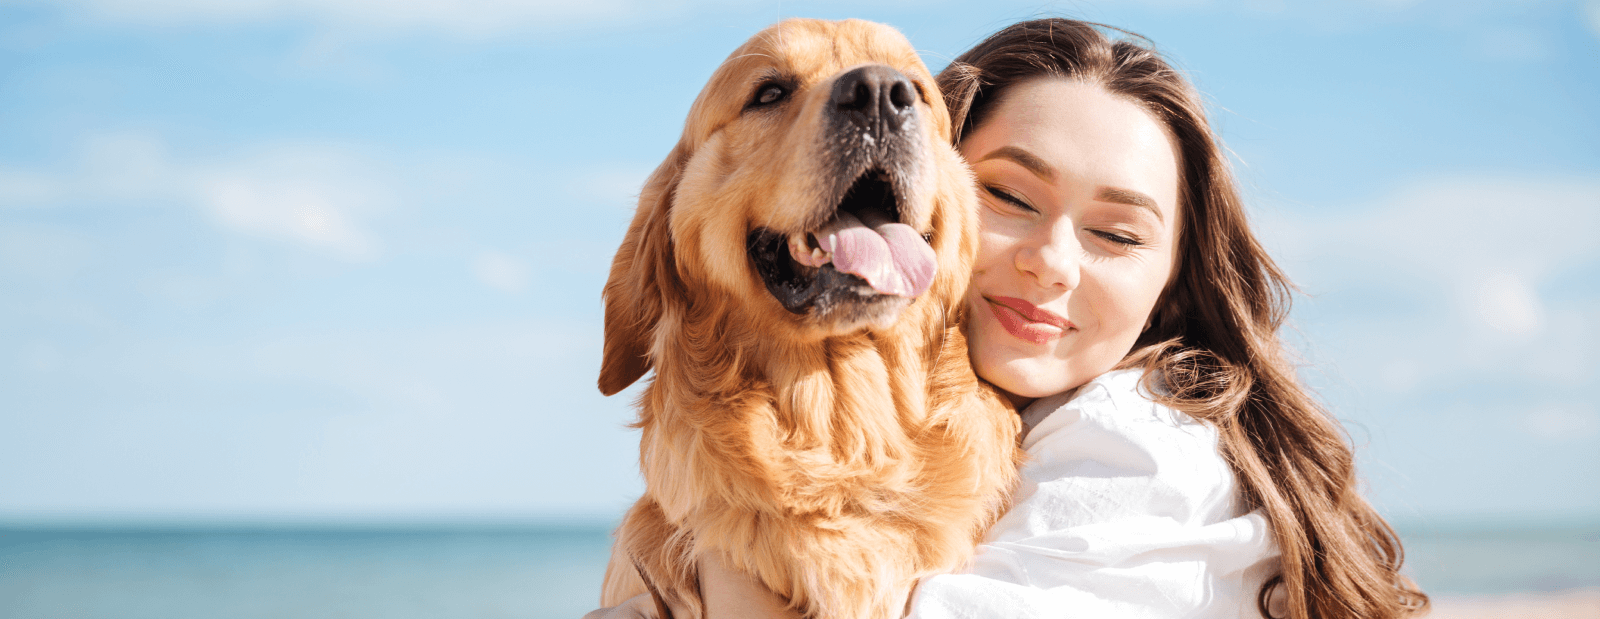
892	257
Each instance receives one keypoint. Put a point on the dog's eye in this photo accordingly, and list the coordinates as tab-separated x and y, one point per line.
769	93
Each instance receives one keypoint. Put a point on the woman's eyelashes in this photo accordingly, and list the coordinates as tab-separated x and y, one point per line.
1003	196
1118	238
1122	240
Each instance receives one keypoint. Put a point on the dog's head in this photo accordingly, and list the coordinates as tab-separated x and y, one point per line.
814	190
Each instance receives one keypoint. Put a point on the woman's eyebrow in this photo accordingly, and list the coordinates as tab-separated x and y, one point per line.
1023	158
1129	197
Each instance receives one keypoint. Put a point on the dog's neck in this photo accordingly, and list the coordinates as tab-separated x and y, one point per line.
819	411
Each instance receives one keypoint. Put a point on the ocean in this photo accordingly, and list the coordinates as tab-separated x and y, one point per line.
546	572
176	573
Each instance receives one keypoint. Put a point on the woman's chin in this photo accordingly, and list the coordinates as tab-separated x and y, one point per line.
1027	378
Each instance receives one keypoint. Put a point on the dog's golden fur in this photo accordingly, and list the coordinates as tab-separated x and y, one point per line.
836	457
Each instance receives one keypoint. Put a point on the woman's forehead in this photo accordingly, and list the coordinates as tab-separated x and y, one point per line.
1068	129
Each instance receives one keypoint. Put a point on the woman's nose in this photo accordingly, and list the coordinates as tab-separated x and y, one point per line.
1052	257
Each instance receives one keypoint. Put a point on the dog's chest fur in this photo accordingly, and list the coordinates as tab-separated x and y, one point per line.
827	470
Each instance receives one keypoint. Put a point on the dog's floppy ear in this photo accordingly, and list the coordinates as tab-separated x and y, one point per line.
642	275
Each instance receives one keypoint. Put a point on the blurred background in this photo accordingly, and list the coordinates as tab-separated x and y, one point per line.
300	299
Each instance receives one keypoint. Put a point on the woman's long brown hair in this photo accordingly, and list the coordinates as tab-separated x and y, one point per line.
1213	340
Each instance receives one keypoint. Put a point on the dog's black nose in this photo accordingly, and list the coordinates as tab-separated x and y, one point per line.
874	94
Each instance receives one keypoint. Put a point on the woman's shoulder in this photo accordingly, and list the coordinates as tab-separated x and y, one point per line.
1121	402
1111	442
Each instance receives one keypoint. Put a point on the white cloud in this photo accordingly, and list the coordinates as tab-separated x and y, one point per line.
1401	375
1509	304
486	417
42	254
1455	278
1562	424
1517	44
316	195
312	195
488	18
468	18
25	187
181	292
500	271
465	16
618	185
1591	16
1280	6
1458	230
1393	4
462	412
42	357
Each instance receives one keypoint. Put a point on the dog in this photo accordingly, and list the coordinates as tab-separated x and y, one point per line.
795	275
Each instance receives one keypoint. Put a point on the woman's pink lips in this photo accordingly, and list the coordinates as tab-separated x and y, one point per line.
1027	321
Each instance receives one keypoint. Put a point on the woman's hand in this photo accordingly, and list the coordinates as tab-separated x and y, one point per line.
637	607
731	594
727	594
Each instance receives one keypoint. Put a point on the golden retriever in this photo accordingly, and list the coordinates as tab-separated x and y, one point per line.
794	275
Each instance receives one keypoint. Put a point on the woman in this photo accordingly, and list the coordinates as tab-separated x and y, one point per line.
1179	468
1102	184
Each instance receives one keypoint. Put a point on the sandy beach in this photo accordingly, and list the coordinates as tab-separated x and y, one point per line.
1571	604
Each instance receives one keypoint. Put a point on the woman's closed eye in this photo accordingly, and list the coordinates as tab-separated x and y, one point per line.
1119	238
1006	197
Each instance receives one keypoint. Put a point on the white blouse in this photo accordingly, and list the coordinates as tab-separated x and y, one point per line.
1125	509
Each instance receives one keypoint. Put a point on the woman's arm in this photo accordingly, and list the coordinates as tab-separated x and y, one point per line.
727	594
731	594
637	607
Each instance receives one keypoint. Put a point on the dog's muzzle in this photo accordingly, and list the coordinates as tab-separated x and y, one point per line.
859	256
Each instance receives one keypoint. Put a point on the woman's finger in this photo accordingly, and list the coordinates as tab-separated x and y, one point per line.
637	607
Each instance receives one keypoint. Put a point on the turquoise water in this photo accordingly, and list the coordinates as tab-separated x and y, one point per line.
279	574
531	573
1480	560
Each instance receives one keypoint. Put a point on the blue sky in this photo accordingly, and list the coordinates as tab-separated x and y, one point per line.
341	259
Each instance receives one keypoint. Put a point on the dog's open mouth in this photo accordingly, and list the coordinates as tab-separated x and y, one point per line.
861	254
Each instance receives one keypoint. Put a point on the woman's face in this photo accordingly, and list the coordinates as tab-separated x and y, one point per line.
1079	195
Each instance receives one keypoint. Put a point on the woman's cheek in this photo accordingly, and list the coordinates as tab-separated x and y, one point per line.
992	245
1122	308
982	349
